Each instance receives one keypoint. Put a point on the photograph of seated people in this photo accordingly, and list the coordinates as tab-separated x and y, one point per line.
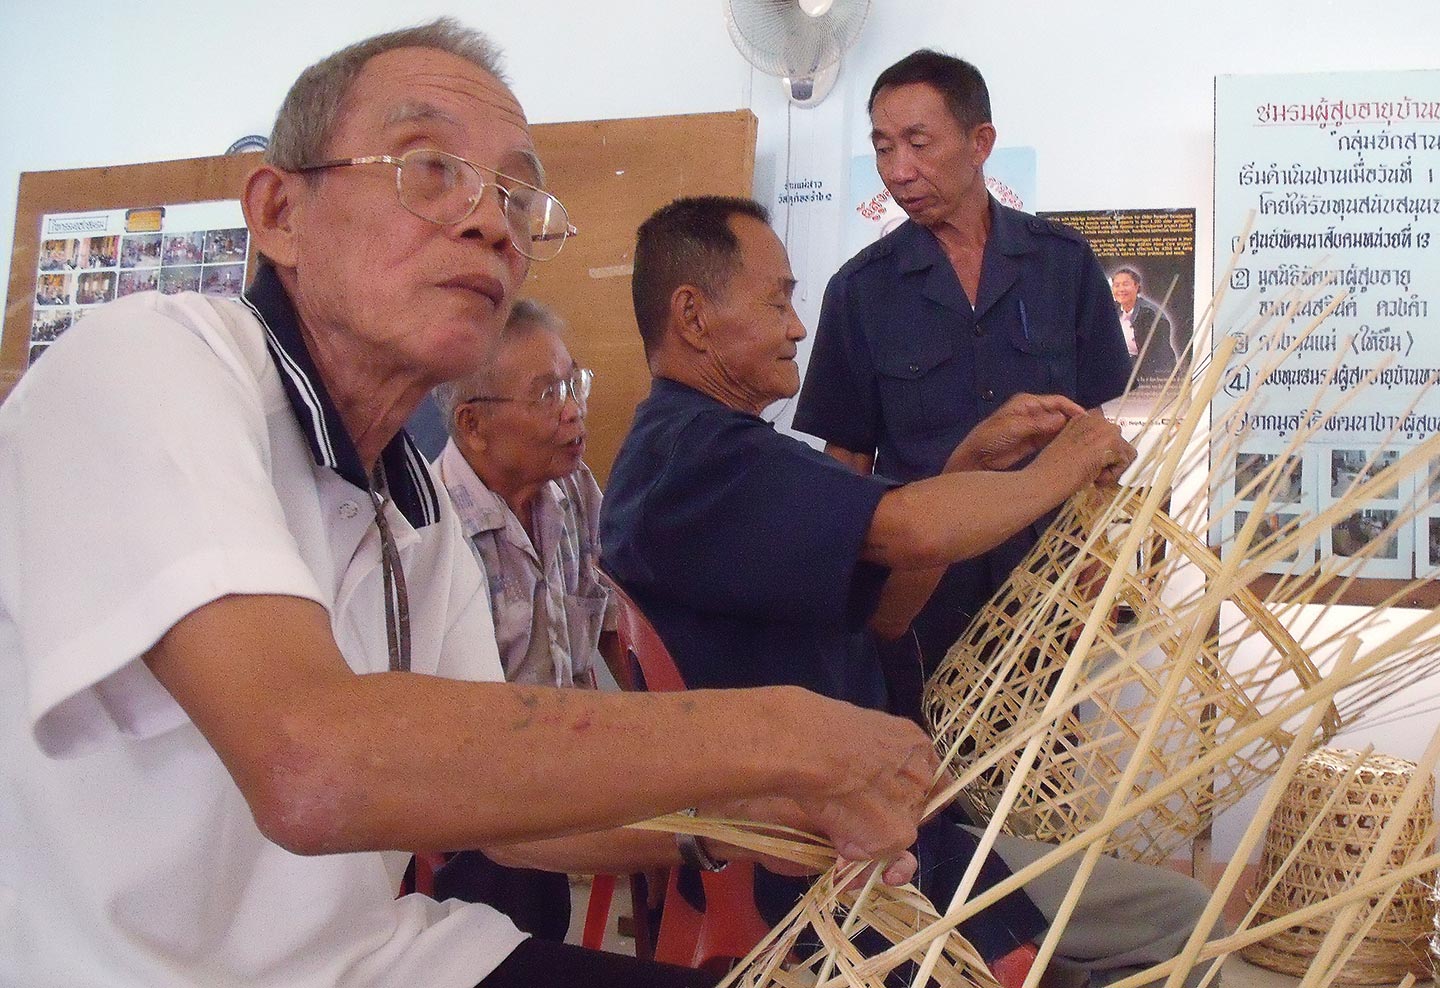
762	561
530	508
53	289
933	327
1149	336
276	673
58	255
140	251
99	252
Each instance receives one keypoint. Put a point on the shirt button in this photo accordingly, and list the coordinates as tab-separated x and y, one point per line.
349	509
914	368
979	330
987	395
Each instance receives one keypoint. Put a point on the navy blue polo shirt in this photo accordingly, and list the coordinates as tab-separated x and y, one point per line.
742	546
904	364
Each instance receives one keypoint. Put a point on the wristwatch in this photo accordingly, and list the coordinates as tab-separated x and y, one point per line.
693	853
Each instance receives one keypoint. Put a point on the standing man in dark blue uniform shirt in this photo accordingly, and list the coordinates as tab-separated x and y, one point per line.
926	332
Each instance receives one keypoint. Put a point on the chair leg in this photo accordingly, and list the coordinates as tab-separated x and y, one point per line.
597	914
645	886
680	928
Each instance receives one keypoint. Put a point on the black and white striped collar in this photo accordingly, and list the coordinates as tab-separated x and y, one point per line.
406	475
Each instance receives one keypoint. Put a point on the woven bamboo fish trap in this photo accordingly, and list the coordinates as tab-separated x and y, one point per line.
1329	859
1075	778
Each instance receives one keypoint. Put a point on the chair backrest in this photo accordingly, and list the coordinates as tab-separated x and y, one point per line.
730	924
647	659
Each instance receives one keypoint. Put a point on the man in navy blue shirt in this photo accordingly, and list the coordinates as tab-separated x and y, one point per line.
929	330
761	560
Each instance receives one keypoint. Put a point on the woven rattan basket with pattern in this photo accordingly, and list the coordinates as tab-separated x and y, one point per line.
1330	860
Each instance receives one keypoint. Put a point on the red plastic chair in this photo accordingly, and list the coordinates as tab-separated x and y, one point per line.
597	914
421	874
730	926
651	668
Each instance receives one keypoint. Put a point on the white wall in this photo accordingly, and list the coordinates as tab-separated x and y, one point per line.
1115	96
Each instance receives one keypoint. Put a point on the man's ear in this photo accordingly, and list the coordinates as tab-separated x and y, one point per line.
271	203
469	434
688	316
983	141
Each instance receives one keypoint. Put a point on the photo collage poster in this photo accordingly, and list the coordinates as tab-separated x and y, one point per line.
1148	256
89	258
1342	175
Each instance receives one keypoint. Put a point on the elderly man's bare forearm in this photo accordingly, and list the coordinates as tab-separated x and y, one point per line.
331	761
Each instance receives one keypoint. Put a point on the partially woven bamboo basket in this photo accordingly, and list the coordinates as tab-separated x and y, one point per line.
1330	861
835	930
999	676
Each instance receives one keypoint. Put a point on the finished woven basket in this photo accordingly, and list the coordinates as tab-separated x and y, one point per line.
1330	861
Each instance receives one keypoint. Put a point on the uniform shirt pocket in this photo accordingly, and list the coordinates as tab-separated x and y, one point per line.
1036	349
923	389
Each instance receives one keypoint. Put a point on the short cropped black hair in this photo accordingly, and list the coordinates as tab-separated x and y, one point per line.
688	242
959	82
1134	275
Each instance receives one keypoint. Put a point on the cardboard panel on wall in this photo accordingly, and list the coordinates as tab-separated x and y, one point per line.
610	174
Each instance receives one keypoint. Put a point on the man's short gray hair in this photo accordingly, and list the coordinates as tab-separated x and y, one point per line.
528	314
308	115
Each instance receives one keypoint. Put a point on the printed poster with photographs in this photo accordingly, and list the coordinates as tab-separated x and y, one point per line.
1149	259
90	258
1341	173
1316	476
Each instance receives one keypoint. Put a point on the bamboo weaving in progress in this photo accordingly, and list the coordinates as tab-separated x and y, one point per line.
1102	702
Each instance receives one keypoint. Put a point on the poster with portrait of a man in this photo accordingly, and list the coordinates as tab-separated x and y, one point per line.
1149	259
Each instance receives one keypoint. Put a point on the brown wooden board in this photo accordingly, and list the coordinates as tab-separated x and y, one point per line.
610	174
1360	593
117	187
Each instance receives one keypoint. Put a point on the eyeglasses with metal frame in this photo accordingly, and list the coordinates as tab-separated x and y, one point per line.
445	188
576	387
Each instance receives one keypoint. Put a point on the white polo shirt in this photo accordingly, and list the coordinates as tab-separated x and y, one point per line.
152	462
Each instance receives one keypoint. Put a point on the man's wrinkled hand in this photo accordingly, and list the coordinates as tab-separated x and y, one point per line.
1090	449
882	770
1017	430
865	797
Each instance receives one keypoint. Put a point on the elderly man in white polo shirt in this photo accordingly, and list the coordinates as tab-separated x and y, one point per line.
246	658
